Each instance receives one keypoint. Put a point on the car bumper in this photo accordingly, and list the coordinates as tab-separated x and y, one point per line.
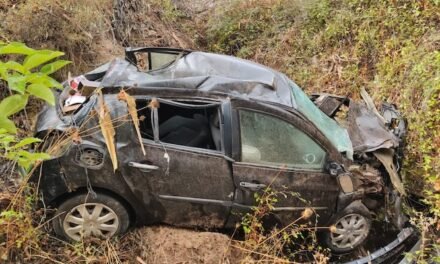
406	242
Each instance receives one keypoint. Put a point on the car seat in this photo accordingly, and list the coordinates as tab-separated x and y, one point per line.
192	132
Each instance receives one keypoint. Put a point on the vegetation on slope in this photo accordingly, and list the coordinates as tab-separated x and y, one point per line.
389	47
76	27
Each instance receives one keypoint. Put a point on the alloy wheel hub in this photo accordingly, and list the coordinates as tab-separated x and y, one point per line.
90	219
350	231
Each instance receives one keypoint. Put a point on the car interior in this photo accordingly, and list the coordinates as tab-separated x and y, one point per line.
190	124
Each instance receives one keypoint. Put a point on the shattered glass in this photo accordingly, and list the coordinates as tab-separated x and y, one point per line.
337	135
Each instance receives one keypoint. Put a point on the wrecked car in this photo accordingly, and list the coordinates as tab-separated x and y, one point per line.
188	138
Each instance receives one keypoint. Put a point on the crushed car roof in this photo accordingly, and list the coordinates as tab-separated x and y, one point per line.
226	75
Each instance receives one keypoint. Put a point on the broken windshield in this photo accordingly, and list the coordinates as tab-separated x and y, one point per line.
337	135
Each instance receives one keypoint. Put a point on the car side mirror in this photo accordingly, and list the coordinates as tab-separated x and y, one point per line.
334	168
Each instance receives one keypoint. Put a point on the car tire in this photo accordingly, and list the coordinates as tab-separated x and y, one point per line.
85	215
348	229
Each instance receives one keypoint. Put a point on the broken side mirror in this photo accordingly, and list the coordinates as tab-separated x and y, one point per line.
345	182
334	168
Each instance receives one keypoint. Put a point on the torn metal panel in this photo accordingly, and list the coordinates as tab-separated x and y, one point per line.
367	132
367	179
393	251
370	104
207	72
50	118
386	158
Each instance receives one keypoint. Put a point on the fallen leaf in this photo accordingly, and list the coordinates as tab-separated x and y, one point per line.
107	129
437	185
76	138
307	213
140	260
153	104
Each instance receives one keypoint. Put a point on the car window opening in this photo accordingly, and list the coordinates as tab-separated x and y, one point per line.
192	127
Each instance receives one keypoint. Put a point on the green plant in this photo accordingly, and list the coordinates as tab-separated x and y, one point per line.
169	12
25	78
26	75
429	242
279	245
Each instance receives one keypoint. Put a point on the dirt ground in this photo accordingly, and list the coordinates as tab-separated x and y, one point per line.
163	244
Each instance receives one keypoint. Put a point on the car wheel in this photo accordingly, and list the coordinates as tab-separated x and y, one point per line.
349	228
84	216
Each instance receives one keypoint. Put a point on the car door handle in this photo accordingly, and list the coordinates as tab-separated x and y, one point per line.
143	167
252	186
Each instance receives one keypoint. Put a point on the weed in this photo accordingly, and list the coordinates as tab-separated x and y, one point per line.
296	241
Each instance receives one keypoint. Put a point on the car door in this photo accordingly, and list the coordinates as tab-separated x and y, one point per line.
179	185
276	149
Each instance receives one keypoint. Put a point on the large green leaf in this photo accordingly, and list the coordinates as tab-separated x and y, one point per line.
12	104
6	139
3	71
17	83
54	66
40	57
42	91
27	159
34	156
43	79
7	124
26	141
15	66
16	48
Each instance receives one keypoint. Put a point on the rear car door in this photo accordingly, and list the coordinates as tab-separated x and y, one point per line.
276	149
184	178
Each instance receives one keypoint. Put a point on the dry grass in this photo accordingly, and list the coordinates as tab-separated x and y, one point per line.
76	27
154	23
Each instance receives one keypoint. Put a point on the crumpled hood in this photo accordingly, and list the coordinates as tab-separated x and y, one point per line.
367	131
49	118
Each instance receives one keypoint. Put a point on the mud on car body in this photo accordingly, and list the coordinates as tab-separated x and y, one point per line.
214	131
